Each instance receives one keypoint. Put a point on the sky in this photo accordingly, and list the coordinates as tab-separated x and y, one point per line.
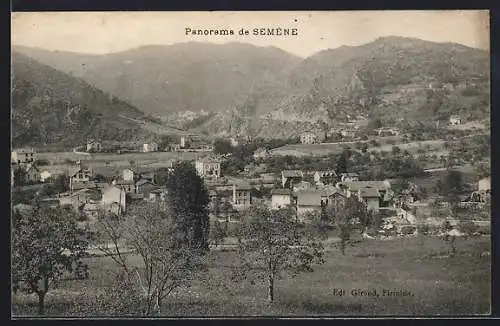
105	32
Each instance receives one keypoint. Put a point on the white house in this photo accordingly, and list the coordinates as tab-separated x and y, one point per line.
455	120
349	177
45	175
93	146
208	167
150	147
114	199
325	177
484	184
308	137
281	198
23	156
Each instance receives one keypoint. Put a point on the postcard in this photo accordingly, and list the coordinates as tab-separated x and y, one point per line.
239	164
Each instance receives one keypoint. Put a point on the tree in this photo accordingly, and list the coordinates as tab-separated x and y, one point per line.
344	215
271	242
61	183
222	146
218	232
188	199
341	164
167	264
45	243
19	176
451	187
161	176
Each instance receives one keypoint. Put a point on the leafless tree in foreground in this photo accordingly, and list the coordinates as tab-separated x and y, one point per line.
167	262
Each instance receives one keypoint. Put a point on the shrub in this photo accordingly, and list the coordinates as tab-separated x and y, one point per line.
423	229
407	230
469	228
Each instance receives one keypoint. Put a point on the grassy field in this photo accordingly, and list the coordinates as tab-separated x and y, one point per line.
440	285
387	143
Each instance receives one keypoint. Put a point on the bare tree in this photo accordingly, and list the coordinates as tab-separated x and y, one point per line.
168	263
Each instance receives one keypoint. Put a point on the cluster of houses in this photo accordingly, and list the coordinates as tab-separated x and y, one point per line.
25	159
112	191
92	189
291	189
188	142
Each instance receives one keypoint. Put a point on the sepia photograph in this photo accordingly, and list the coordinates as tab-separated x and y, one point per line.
242	163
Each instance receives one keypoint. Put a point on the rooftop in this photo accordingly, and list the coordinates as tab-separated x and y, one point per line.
368	192
281	191
356	185
292	174
142	182
309	198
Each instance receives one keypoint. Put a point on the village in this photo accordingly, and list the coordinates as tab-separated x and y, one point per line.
92	183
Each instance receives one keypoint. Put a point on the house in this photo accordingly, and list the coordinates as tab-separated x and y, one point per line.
387	131
78	198
93	146
303	185
242	196
45	176
114	200
144	187
332	195
325	177
24	156
208	166
349	177
455	120
150	147
281	198
129	174
291	177
83	185
91	210
383	189
190	141
309	201
370	197
350	187
348	133
79	175
134	174
127	185
308	137
261	153
435	85
207	147
157	195
484	184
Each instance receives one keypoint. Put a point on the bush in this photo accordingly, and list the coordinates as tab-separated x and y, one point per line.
468	228
407	230
423	229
